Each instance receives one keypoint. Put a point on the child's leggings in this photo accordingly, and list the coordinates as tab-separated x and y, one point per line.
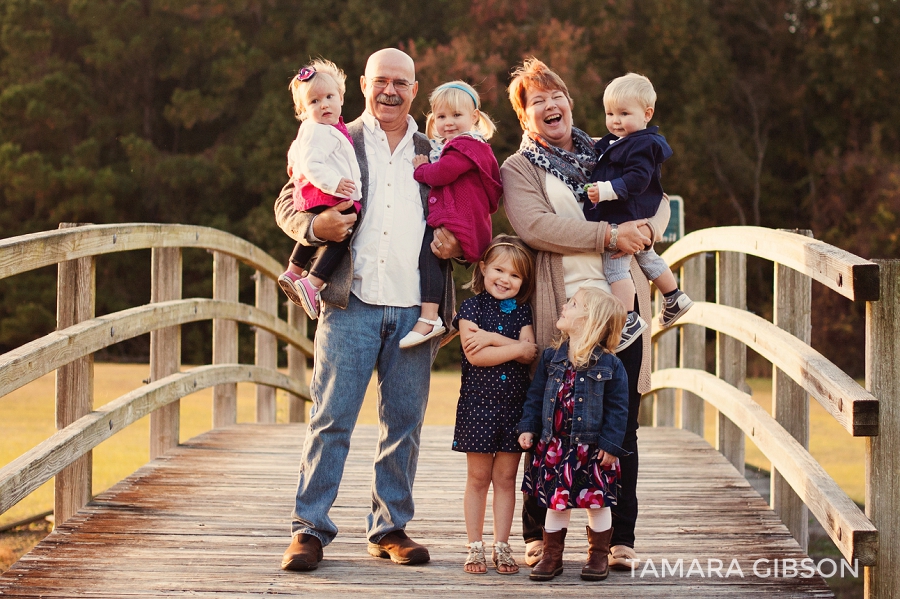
431	279
599	519
331	256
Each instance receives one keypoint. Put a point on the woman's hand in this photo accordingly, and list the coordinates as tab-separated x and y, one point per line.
419	160
631	239
606	459
525	440
331	225
646	229
445	244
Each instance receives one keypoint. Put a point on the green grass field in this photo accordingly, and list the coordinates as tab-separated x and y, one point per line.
27	418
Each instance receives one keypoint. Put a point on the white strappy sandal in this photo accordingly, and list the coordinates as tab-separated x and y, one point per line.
413	338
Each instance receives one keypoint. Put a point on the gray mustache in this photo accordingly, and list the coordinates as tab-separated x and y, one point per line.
389	99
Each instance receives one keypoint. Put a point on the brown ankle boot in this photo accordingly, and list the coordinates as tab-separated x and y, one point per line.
597	566
551	563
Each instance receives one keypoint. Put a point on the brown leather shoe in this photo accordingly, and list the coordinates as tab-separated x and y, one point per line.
400	549
551	564
303	555
597	566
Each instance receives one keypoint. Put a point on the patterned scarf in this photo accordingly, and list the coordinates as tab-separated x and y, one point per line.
572	168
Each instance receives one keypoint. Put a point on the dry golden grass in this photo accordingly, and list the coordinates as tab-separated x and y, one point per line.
26	419
841	455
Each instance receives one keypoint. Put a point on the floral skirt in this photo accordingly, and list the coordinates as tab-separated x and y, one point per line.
563	475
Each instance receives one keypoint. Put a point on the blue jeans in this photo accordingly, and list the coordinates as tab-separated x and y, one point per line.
350	344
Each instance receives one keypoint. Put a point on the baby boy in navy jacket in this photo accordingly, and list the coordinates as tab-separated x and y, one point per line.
626	187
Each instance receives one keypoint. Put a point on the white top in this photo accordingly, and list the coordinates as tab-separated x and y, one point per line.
578	269
387	242
323	155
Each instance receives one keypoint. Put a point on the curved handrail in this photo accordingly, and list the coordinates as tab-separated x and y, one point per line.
848	274
848	527
852	406
28	252
35	359
35	467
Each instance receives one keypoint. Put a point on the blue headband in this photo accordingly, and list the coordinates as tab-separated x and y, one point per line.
459	87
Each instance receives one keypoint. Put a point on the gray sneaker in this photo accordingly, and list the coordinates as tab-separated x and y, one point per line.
631	332
673	308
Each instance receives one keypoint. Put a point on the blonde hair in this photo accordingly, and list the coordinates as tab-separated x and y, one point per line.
521	256
602	327
458	96
628	88
325	72
533	74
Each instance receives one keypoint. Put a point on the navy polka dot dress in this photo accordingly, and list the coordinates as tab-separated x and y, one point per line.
491	397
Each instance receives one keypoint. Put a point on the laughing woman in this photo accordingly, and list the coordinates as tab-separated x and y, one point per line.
543	186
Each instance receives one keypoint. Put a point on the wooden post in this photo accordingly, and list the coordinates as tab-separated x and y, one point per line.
296	364
75	293
225	338
165	348
731	355
882	581
266	348
790	402
664	356
693	343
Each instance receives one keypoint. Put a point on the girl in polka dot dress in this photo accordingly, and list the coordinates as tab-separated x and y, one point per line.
577	405
498	346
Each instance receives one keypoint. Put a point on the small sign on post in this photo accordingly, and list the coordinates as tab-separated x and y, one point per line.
675	228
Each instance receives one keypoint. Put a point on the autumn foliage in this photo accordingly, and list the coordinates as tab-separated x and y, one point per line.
782	113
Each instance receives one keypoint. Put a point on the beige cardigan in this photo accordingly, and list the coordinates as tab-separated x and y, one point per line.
534	220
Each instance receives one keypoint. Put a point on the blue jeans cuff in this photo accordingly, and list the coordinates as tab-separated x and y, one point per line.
312	532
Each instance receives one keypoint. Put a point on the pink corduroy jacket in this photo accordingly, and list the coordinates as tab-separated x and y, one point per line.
465	191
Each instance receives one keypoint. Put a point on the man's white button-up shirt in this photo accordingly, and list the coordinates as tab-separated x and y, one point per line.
388	240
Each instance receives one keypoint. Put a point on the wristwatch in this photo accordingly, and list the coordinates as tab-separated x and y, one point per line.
613	237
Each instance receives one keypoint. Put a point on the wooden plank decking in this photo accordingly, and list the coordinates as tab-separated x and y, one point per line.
211	519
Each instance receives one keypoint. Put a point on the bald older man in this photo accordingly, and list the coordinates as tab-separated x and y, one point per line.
371	302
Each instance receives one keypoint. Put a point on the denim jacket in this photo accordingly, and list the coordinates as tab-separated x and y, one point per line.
601	400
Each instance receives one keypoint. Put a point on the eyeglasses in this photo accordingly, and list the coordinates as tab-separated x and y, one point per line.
399	84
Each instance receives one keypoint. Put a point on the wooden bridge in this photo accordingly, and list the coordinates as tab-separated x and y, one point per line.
210	517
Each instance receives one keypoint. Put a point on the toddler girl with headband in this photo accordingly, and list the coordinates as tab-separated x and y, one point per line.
465	190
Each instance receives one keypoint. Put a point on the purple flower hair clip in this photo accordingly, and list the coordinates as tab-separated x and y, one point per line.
306	73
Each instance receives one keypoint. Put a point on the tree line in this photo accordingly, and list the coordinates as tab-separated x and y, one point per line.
781	113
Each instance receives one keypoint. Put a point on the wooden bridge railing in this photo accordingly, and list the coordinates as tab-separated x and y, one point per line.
799	484
69	350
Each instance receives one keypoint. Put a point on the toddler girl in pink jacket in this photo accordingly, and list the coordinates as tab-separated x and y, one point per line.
465	190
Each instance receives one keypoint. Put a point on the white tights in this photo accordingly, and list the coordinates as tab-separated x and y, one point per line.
599	519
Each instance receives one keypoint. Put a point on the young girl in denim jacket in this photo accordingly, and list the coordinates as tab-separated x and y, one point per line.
578	405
